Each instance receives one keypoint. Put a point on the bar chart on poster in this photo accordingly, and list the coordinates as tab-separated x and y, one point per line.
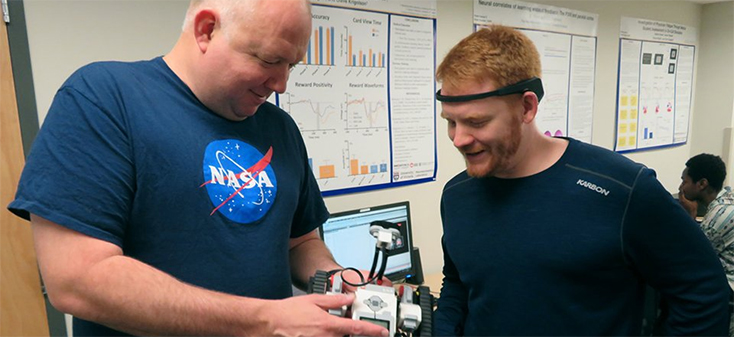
364	104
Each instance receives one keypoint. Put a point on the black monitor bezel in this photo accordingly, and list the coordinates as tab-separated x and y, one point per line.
400	275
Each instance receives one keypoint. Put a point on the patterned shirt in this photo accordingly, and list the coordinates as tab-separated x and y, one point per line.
718	225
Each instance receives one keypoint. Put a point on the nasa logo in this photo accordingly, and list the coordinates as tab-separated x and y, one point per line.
239	179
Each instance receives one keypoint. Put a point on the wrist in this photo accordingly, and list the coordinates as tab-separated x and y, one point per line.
252	317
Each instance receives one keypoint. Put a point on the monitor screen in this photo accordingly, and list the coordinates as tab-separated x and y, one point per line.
347	235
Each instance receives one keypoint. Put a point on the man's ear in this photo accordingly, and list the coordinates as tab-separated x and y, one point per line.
206	22
702	184
530	106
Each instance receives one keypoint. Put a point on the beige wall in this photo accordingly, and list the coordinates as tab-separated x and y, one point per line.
714	110
65	35
714	104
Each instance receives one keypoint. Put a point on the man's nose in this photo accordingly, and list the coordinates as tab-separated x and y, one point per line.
462	137
278	80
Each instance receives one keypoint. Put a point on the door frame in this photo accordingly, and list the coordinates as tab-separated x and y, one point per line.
23	74
27	114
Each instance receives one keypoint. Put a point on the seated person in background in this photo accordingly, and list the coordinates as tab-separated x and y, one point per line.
553	236
702	183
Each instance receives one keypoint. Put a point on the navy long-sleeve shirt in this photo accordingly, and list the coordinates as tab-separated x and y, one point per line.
568	251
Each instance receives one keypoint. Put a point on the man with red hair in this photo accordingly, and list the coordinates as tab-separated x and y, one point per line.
552	236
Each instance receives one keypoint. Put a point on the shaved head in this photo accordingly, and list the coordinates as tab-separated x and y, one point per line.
233	54
237	11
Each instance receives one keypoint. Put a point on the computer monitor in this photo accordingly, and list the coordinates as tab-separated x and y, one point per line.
347	235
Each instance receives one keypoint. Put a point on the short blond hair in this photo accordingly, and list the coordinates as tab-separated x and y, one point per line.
229	10
234	12
497	53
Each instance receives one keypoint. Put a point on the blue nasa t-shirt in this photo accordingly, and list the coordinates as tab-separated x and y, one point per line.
128	155
229	180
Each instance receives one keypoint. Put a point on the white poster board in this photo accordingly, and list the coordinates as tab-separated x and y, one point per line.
655	84
363	95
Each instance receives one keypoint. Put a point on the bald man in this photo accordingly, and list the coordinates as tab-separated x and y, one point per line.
167	197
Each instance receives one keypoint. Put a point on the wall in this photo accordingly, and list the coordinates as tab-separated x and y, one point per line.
714	106
728	154
64	35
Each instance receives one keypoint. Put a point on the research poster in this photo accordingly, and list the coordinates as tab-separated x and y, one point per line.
655	84
363	95
566	41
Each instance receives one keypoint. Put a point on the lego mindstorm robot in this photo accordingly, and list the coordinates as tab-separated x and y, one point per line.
403	312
